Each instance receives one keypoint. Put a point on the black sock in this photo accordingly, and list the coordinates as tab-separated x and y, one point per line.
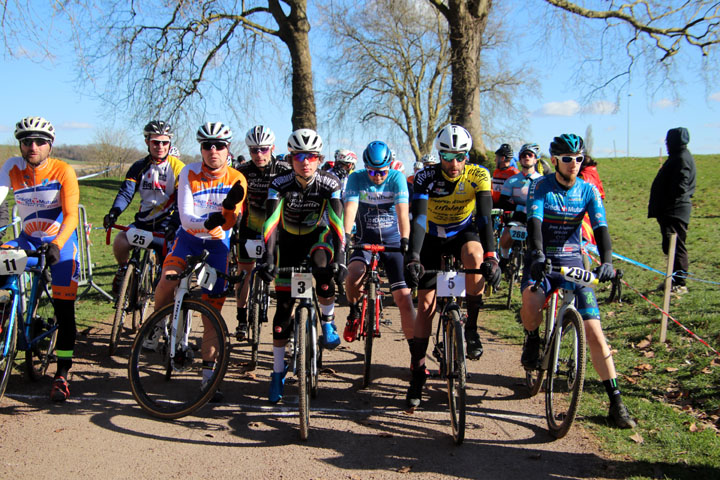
418	350
474	302
612	389
242	315
63	367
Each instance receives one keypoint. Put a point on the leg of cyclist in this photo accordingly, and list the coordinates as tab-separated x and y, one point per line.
320	256
356	272
418	347
281	334
472	257
531	315
121	250
402	295
242	292
505	244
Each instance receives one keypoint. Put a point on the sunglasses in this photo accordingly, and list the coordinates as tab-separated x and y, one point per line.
527	154
450	156
305	157
571	158
215	145
40	142
377	173
157	143
259	149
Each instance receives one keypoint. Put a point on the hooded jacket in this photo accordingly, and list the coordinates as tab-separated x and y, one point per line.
672	190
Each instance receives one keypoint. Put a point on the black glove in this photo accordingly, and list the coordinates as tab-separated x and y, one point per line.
109	219
605	272
404	245
340	272
234	196
169	232
537	267
414	271
491	271
52	254
266	271
213	220
348	241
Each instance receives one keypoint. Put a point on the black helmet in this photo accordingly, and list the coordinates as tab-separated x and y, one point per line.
567	143
505	150
157	127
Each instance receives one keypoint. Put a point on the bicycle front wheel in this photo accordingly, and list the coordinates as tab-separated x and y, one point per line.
257	299
369	324
145	290
168	386
43	324
124	303
514	265
566	374
304	369
8	344
456	374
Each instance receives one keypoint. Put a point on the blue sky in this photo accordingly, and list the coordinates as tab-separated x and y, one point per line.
51	90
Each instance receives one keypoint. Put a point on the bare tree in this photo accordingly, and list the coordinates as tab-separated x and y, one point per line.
112	151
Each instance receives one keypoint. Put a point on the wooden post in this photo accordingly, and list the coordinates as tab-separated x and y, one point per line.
668	287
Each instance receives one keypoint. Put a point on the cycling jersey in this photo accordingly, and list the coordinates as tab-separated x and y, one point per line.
258	181
517	188
498	180
157	184
200	193
451	202
376	219
561	210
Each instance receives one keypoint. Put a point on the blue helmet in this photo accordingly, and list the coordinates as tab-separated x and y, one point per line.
567	143
377	155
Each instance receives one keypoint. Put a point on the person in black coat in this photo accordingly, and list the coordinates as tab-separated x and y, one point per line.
671	200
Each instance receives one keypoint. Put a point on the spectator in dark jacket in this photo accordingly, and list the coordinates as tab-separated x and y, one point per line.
670	200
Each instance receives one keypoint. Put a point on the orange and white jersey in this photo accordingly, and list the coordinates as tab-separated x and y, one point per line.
200	193
47	197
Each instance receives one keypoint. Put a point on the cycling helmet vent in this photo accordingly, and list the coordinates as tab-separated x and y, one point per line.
214	131
157	127
260	136
305	140
505	150
567	143
453	138
34	127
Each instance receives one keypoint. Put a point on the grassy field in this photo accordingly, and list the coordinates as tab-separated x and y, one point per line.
674	388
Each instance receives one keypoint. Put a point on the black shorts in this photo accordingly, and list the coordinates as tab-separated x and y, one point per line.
433	249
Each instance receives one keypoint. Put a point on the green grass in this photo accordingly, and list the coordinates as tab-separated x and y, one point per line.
673	388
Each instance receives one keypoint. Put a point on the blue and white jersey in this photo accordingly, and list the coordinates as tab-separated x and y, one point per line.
517	188
561	212
376	219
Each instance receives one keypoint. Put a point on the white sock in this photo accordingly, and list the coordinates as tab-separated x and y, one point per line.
327	309
278	359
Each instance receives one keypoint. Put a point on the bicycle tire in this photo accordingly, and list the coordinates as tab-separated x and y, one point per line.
315	356
456	375
512	277
566	374
8	344
534	377
41	355
304	370
181	393
256	300
145	291
369	332
121	308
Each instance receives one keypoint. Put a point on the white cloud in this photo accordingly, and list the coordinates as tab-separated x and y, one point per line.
666	103
76	125
712	125
568	108
601	107
4	128
715	96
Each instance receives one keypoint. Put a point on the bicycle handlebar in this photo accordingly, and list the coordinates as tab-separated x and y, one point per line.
373	248
125	228
576	275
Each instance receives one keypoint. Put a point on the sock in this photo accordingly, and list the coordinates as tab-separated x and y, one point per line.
474	302
612	389
327	309
207	370
242	315
278	359
417	351
63	367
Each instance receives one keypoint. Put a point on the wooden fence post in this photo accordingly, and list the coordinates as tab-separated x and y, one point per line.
668	287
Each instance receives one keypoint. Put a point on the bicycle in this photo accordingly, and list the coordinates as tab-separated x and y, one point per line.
514	267
305	357
371	312
138	283
32	329
562	351
258	305
165	378
450	287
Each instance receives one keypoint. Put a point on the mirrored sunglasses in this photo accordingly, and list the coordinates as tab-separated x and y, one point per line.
215	145
450	156
259	149
305	156
157	143
378	173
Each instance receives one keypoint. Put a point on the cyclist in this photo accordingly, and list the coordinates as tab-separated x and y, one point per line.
428	160
513	195
155	178
556	205
259	172
47	196
210	196
345	161
444	199
376	202
503	170
295	207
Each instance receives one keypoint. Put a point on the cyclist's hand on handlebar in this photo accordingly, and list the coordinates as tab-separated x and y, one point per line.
214	220
414	271
340	272
169	232
605	272
109	220
491	271
52	255
537	267
404	245
266	271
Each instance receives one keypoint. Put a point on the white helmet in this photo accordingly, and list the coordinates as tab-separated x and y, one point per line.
260	136
216	131
345	156
34	127
453	138
417	166
305	140
429	159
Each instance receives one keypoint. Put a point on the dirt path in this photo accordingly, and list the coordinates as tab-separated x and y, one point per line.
355	433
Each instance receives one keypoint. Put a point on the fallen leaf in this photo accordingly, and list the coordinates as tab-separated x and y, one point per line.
643	344
693	427
59	430
637	438
644	366
649	354
405	469
610	314
630	380
707	370
671	369
715	362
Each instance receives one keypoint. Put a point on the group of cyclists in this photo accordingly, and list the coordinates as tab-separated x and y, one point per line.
296	211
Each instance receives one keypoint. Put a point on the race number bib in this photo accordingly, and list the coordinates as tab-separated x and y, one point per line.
451	284
579	276
518	232
12	261
207	277
255	248
301	285
139	238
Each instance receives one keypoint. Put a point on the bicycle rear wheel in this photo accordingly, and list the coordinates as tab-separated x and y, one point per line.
39	357
304	370
369	331
534	377
566	374
145	290
8	343
124	303
172	388
456	374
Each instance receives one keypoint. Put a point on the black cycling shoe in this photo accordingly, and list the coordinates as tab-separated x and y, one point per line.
620	416
241	332
474	345
417	382
531	350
